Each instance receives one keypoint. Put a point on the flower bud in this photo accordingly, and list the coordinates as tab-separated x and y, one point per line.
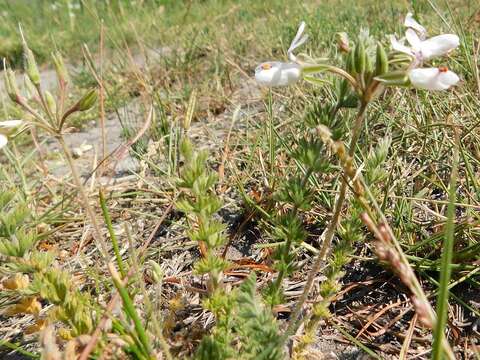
343	42
29	86
87	101
381	65
360	57
60	67
32	69
394	78
350	65
52	106
11	85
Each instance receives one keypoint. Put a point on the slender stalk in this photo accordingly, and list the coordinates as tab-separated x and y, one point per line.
113	237
271	137
293	324
447	255
91	214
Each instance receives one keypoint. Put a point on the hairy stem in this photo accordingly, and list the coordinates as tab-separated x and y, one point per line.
330	232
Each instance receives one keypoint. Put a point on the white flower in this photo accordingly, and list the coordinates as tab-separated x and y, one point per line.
423	49
276	73
7	128
433	78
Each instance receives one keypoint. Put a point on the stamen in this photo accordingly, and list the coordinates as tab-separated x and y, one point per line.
266	66
442	69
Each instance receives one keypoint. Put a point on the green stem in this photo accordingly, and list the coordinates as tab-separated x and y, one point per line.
113	237
293	324
131	311
271	137
447	255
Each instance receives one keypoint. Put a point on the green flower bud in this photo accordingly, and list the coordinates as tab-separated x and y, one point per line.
381	66
32	69
29	86
11	85
394	78
52	105
350	65
87	101
60	67
360	57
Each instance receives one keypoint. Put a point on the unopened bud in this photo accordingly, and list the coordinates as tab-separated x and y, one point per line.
60	67
394	78
381	65
29	87
11	85
350	65
52	106
32	69
343	42
360	57
87	101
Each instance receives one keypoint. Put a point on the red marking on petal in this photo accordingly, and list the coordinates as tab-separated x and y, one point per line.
443	69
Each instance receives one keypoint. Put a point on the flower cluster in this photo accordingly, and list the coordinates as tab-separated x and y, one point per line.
421	49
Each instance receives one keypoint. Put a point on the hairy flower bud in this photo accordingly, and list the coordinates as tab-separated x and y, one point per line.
381	65
11	85
32	69
60	68
87	101
52	105
343	43
360	57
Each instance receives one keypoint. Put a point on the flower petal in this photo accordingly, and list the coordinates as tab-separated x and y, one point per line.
297	41
3	141
438	45
432	78
7	127
413	39
276	73
410	22
10	123
398	46
448	78
297	37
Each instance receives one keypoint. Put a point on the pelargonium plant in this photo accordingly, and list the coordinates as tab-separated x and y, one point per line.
368	70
